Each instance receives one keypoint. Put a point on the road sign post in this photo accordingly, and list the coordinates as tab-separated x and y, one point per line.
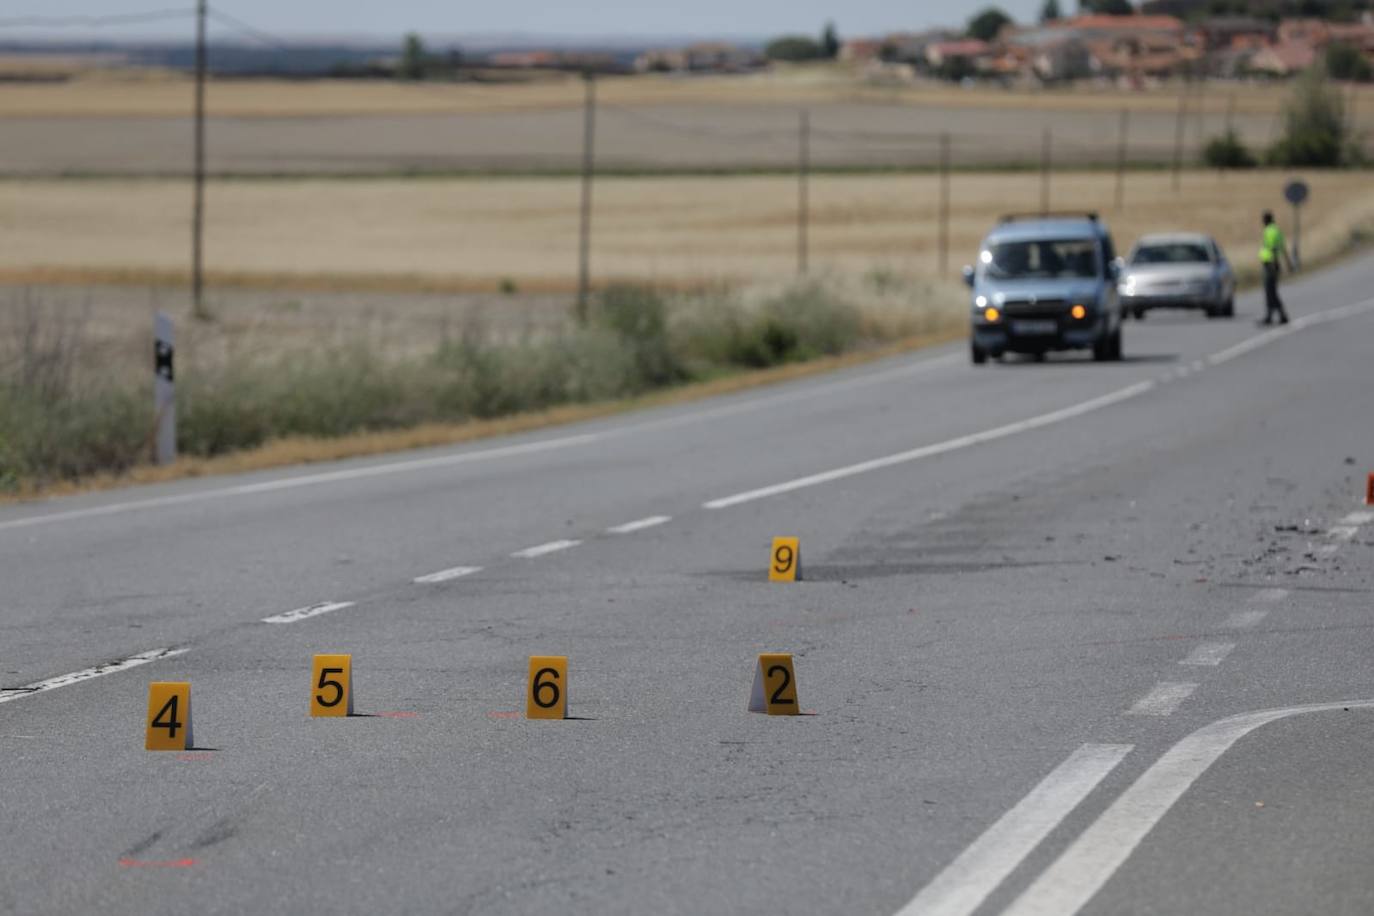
164	393
1295	192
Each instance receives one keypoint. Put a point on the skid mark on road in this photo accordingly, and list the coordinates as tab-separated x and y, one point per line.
967	881
76	677
1090	861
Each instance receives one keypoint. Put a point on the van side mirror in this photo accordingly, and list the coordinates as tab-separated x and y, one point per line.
968	276
1117	268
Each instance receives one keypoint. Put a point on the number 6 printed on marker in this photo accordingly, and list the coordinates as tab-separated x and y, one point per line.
546	697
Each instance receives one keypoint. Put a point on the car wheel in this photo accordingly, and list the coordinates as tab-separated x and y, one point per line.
1229	310
1139	314
1102	348
978	354
1116	346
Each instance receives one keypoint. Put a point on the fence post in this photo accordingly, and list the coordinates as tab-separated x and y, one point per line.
164	393
1122	133
944	203
803	191
198	172
1178	134
1045	144
584	248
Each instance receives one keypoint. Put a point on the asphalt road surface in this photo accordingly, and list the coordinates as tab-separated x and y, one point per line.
1072	638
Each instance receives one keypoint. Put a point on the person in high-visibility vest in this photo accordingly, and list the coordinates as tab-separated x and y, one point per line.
1273	246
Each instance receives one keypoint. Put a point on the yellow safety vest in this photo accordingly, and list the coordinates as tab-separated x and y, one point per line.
1271	244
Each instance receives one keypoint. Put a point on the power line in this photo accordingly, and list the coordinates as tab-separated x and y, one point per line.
253	32
64	22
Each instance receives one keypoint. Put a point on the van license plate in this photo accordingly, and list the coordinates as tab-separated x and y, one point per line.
1033	328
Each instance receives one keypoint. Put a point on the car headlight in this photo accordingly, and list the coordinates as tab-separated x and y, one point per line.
981	302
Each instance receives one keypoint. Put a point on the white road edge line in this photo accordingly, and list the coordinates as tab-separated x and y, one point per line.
1021	426
1243	620
1081	871
938	448
445	575
314	610
1209	653
640	524
966	882
76	677
540	550
1163	700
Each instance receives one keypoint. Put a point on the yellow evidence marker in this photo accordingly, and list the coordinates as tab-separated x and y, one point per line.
784	564
169	717
547	694
331	686
775	685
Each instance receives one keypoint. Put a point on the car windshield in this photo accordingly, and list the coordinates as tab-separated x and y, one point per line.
1172	253
1041	258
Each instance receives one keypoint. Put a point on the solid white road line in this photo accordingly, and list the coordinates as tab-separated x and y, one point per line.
967	881
640	524
1358	518
540	550
65	680
306	480
1081	871
314	610
1243	620
1209	653
938	448
1269	595
1163	699
1343	532
444	575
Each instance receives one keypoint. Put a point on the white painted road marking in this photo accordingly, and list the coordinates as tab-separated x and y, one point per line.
1166	697
76	677
540	550
314	610
938	448
967	881
1081	871
640	524
1270	595
445	575
1358	518
1209	653
1243	620
1343	532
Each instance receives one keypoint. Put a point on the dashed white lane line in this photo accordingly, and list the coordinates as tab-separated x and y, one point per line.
1091	860
445	575
938	448
76	677
1244	620
640	524
540	550
1163	700
1269	595
1209	653
1358	518
967	881
314	610
1343	532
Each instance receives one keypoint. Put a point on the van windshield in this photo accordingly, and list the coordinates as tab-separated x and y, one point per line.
1042	258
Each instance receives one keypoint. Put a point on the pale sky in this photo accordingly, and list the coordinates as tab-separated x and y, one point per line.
304	18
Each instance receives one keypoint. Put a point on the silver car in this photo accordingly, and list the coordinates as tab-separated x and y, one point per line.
1178	271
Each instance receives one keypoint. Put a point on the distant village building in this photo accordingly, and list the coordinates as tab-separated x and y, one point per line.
703	57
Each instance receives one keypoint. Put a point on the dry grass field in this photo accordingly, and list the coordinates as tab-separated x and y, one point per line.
106	94
466	235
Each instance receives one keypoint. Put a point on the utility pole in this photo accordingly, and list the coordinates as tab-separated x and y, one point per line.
944	203
584	255
1123	132
803	197
1045	146
198	204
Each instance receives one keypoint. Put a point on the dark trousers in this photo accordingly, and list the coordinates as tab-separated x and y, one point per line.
1272	302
